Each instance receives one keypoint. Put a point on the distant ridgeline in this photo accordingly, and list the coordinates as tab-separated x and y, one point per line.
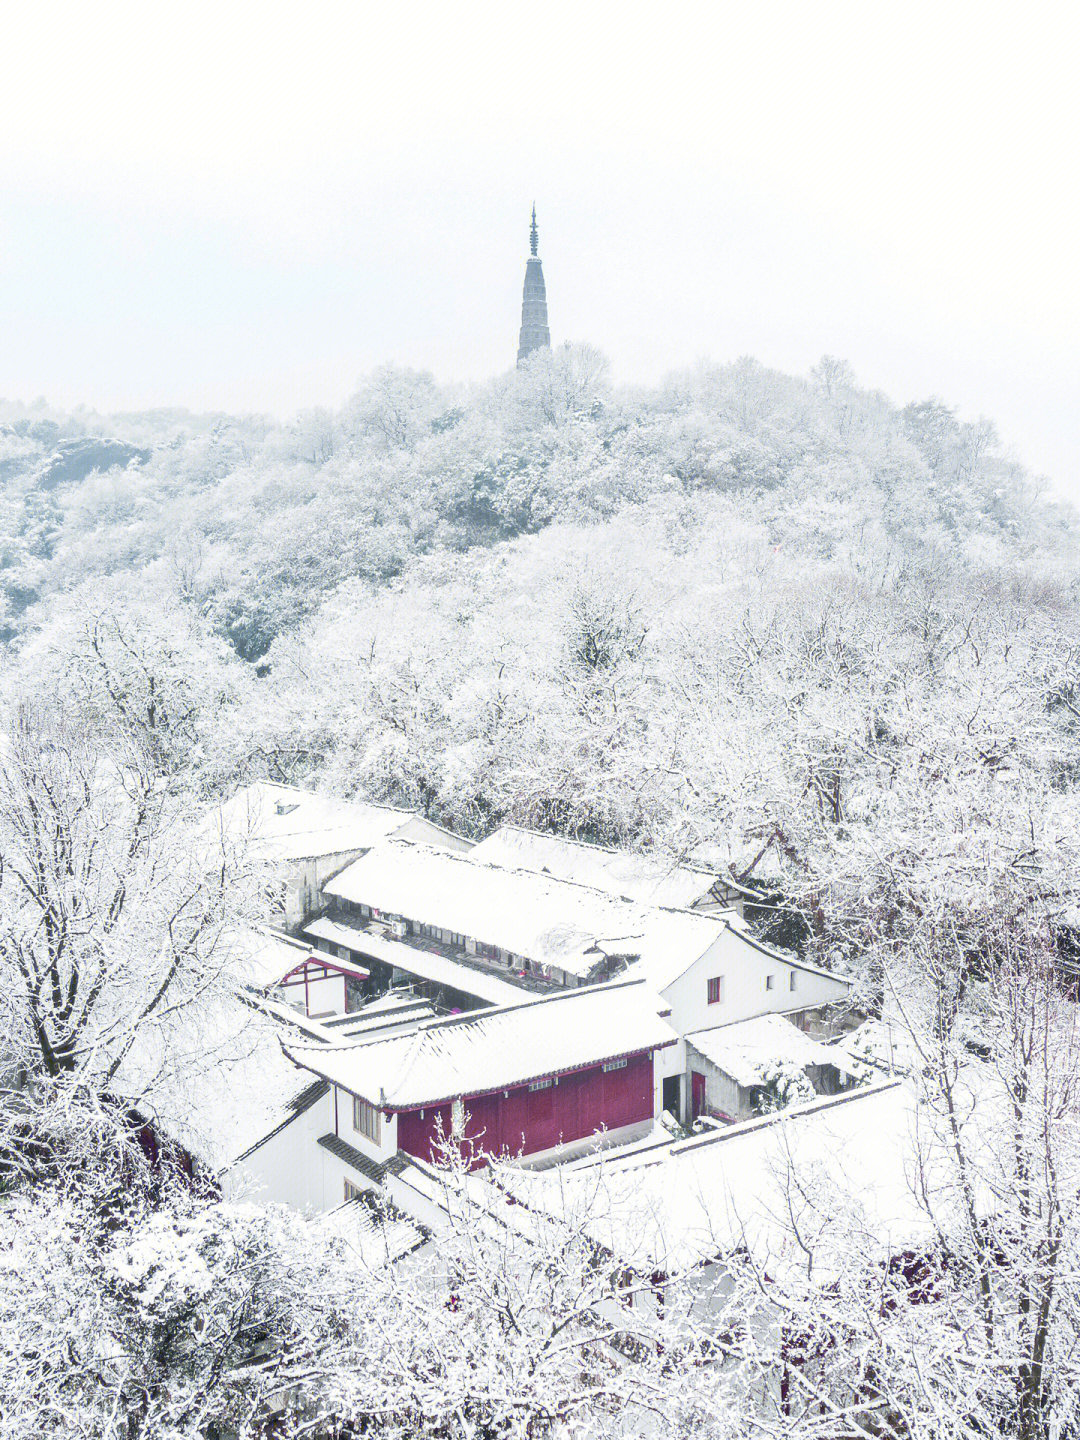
259	521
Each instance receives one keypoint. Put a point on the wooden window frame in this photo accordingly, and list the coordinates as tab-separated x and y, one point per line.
366	1120
715	991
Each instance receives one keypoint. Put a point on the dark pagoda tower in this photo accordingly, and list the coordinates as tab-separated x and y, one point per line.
535	334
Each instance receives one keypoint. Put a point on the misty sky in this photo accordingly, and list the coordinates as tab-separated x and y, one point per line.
247	207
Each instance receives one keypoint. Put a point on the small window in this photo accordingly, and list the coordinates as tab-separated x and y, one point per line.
716	990
352	1192
540	1085
791	980
365	1119
769	981
610	1065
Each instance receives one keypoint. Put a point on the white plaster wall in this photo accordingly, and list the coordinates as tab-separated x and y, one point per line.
381	1153
744	969
325	997
721	1091
291	1168
415	1202
305	879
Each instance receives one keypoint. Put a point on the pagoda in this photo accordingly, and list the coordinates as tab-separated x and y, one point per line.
535	334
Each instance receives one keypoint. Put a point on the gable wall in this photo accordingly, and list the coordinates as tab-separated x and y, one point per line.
291	1168
744	969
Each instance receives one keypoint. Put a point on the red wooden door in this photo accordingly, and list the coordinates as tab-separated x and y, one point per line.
697	1094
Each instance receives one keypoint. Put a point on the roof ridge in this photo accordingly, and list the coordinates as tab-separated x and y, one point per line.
791	1112
789	957
490	1012
603	849
322	795
672	1148
533	1001
750	1020
467	857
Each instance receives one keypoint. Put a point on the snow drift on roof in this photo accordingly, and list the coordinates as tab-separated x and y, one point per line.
237	1085
677	1205
376	1236
264	957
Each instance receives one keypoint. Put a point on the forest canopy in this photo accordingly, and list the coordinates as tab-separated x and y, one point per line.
775	623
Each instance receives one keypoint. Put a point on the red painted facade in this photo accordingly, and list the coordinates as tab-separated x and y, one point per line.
572	1107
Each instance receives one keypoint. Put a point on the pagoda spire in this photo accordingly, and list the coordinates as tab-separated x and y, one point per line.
535	334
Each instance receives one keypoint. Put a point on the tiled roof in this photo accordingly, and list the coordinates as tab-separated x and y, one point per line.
647	879
487	1050
371	1169
555	922
476	980
740	1049
281	822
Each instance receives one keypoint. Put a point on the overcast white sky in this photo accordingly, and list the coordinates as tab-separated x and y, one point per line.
249	206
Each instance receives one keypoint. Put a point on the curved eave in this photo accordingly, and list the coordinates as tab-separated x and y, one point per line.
392	1107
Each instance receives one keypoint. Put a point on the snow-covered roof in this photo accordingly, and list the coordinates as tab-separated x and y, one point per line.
237	1085
281	822
672	940
489	1049
674	1206
554	922
648	879
391	1001
263	957
560	923
740	1049
383	1022
425	963
291	1017
376	1237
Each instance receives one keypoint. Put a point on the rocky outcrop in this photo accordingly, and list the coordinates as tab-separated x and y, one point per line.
74	460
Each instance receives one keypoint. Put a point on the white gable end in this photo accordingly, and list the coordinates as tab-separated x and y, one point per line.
751	981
